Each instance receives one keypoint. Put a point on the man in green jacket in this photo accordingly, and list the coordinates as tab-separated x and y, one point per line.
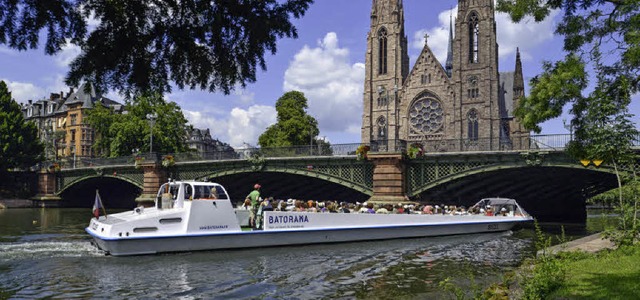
254	197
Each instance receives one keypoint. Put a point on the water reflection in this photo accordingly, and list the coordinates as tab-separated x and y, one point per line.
53	257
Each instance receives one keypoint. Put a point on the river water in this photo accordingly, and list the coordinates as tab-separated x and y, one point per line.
45	253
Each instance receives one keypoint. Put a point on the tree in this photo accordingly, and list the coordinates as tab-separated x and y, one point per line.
294	126
120	135
590	28
19	143
142	46
602	36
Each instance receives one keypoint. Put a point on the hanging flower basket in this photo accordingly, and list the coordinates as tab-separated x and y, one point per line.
361	152
54	168
138	162
168	161
415	150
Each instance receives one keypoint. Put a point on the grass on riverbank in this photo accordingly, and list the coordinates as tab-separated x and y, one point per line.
609	274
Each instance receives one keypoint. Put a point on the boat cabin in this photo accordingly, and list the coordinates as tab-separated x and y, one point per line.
173	194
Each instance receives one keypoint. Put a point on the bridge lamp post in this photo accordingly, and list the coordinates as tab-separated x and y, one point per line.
152	121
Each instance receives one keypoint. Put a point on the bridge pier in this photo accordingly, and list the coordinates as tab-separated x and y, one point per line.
46	196
388	178
154	176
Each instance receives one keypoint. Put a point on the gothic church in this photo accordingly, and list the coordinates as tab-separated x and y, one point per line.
464	105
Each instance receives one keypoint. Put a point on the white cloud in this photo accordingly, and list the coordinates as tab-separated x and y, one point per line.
527	34
24	91
247	125
67	54
331	83
244	97
242	125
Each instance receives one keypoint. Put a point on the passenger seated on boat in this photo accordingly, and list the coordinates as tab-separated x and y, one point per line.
370	209
382	210
213	194
311	206
503	212
428	209
345	208
488	211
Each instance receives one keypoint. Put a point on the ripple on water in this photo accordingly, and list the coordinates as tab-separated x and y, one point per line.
47	249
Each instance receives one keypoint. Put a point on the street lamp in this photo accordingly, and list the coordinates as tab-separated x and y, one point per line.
152	121
310	138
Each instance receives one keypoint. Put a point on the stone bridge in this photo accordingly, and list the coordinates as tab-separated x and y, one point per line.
549	184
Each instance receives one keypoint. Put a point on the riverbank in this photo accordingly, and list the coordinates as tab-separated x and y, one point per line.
590	244
16	203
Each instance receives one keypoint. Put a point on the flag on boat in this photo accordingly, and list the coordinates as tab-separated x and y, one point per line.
97	205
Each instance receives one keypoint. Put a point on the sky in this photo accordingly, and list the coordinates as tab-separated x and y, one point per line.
326	62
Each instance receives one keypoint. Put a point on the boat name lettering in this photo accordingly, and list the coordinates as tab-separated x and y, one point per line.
492	227
288	219
210	227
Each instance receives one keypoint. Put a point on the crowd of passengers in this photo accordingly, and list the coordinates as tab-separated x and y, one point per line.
269	204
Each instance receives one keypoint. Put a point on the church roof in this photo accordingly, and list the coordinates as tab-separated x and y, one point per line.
506	93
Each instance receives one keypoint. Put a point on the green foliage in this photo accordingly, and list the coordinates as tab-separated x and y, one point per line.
547	273
294	127
142	46
608	274
119	135
590	28
19	143
603	36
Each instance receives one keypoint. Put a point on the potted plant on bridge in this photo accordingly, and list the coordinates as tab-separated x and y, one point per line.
168	161
138	162
55	167
361	152
415	150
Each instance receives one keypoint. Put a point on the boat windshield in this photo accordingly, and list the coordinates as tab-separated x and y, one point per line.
505	206
208	192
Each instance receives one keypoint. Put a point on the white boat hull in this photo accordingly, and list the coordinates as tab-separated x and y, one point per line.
253	239
184	219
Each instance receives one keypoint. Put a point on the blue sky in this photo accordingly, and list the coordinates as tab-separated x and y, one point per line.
326	62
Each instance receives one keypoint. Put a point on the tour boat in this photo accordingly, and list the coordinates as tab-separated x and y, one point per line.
187	218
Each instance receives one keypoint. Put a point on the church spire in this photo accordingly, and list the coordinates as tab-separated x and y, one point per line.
518	80
449	63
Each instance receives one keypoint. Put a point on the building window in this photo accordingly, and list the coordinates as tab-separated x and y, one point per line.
474	34
382	51
472	121
426	115
74	119
73	135
50	108
30	112
473	91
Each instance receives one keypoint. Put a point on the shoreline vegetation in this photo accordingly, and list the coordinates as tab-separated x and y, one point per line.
592	267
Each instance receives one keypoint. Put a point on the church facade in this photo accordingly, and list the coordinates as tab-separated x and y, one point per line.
465	104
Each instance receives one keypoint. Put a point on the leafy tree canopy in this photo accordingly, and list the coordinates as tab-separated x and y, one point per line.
141	46
120	135
294	127
601	36
19	143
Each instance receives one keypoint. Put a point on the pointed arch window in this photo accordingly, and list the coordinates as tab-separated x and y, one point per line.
472	122
382	51
474	34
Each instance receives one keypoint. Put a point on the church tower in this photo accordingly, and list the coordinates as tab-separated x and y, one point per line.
475	76
387	67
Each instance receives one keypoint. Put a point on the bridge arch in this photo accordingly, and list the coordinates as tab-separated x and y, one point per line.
115	191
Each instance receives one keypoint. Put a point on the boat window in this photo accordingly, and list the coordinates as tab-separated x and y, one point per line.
220	192
188	192
145	229
170	220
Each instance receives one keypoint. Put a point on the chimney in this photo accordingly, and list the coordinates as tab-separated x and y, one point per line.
29	101
70	90
61	94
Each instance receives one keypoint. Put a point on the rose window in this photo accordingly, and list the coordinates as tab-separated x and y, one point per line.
426	116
